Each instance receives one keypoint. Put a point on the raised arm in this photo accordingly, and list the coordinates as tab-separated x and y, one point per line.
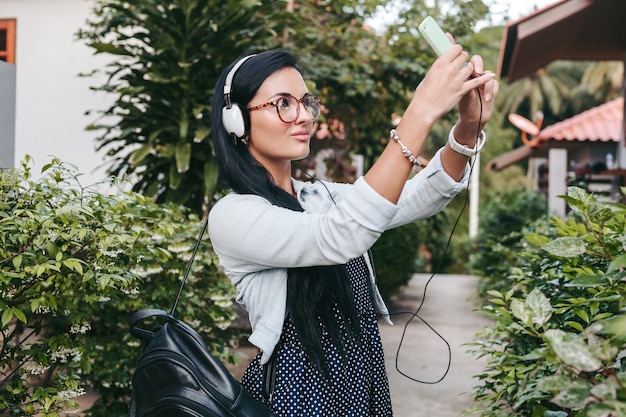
446	85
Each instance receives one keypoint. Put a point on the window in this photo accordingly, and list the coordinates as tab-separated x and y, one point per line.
7	40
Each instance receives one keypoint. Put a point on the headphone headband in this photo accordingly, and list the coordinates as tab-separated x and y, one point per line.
228	84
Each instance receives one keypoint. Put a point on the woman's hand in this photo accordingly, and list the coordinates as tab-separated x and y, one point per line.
448	83
476	105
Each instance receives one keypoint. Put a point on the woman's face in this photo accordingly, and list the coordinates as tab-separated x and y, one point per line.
271	140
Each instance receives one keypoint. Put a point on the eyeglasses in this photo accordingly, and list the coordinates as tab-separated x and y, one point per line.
288	107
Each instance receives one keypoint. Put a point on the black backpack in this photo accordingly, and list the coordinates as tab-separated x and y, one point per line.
177	376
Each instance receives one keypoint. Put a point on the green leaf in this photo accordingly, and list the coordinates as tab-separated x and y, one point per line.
540	307
139	154
73	264
7	315
211	175
615	326
183	156
183	128
175	178
585	280
201	134
606	391
574	397
17	262
618	263
19	314
580	195
566	247
108	48
582	314
554	383
572	350
575	325
537	239
521	311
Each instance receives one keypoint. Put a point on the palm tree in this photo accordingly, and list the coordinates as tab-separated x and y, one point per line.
544	91
604	80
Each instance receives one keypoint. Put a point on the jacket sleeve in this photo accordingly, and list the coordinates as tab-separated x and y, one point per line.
248	233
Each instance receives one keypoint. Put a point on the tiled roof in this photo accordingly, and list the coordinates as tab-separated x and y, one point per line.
601	123
598	124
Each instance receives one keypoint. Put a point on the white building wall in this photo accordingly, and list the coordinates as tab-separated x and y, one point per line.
51	98
7	115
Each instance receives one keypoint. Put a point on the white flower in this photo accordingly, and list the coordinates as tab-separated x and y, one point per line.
34	368
111	253
69	394
222	324
80	328
65	355
42	310
179	247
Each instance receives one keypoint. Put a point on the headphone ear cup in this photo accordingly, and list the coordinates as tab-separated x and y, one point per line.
234	120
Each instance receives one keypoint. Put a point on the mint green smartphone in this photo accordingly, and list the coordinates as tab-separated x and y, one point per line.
434	35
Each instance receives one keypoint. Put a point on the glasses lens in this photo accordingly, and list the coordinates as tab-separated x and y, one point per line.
287	108
312	104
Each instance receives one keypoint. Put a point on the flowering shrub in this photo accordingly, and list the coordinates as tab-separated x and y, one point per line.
557	347
74	264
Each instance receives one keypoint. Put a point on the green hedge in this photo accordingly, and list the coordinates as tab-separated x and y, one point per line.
75	262
557	347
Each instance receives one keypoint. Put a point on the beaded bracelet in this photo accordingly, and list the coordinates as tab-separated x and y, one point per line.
414	160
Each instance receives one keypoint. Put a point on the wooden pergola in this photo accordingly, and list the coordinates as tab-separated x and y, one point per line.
566	30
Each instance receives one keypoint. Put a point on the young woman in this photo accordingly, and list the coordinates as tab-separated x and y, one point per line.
297	251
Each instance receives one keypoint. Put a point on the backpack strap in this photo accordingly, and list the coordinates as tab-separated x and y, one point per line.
135	319
193	255
269	380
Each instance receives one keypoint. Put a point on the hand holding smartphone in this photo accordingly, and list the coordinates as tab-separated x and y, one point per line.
437	38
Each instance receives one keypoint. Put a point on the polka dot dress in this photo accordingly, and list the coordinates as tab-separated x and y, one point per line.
358	386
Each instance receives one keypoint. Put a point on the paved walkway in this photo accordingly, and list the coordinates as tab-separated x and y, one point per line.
449	309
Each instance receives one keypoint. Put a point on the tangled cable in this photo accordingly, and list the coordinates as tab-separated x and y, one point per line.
414	314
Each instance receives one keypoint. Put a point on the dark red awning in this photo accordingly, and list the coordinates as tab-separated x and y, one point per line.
592	30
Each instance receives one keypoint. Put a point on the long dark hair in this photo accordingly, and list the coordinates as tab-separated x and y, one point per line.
311	291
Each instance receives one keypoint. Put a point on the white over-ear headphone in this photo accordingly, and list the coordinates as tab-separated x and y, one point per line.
233	114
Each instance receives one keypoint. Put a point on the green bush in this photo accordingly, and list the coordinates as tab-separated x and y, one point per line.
503	222
74	264
558	347
416	247
394	267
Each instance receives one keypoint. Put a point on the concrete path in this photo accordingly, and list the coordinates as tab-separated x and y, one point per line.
449	309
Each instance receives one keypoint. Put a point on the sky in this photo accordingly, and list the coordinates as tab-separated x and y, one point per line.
501	11
520	8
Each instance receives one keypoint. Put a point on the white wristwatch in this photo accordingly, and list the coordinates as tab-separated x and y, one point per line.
464	149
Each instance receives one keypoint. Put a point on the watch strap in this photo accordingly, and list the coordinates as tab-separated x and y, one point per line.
464	149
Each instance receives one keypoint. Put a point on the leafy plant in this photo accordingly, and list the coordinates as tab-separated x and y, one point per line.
506	217
75	262
557	346
168	56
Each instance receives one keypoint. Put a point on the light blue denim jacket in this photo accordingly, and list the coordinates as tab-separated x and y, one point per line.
256	241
